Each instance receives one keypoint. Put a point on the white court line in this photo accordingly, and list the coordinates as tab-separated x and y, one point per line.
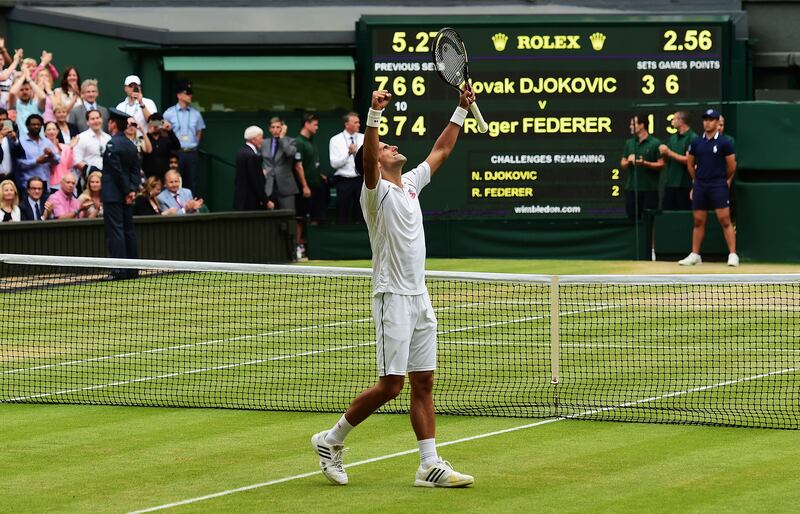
465	439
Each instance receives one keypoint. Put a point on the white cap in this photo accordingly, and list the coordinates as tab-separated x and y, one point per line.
251	132
132	79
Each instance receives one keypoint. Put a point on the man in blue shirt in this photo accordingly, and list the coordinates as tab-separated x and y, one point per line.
711	162
187	123
39	154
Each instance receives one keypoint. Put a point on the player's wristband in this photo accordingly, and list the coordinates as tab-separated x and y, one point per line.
374	118
459	116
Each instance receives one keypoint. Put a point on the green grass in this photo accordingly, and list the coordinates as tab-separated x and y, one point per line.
65	458
118	459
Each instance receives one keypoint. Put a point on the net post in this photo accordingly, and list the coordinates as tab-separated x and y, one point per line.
555	342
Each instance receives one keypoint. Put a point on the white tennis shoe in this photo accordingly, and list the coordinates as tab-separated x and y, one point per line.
733	259
441	474
330	458
691	260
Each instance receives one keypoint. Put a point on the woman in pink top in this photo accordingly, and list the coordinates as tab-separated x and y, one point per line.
64	166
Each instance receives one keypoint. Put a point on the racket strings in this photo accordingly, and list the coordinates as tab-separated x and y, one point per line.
451	59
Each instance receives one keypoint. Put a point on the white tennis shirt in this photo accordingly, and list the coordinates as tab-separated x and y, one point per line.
396	235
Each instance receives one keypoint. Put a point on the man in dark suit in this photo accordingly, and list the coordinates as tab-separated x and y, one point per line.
120	183
249	187
88	102
280	165
32	206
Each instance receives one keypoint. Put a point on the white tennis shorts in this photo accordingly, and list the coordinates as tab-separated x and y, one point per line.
405	328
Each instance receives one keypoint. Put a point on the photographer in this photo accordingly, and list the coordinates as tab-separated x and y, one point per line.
165	145
135	104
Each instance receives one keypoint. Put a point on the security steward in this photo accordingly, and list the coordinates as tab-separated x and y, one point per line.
120	183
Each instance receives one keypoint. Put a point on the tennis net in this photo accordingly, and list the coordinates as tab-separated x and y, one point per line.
710	349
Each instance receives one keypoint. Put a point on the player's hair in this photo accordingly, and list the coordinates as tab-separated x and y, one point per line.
309	117
275	119
346	117
359	161
641	119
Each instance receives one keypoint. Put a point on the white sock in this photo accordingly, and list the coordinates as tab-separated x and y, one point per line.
427	452
339	431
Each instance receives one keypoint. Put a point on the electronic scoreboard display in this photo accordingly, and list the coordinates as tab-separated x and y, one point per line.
558	95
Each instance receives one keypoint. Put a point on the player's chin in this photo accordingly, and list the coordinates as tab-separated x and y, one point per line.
400	157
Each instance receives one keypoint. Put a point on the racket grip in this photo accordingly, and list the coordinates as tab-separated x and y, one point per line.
476	113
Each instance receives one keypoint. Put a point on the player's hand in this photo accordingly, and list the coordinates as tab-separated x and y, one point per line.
284	129
306	192
270	205
380	99
466	98
663	149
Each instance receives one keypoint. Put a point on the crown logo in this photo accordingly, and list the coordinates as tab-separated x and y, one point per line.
499	41
598	39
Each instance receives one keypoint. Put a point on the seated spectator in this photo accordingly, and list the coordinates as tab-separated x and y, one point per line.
11	151
32	207
91	145
9	201
65	154
135	104
88	102
66	130
178	197
70	91
165	147
146	203
61	204
40	153
45	83
90	204
27	98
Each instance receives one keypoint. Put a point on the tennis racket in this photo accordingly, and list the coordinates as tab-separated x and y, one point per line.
450	57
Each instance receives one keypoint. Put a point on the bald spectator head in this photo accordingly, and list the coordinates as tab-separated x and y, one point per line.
68	184
172	179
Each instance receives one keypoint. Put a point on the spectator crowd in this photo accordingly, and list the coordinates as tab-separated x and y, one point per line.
53	140
54	131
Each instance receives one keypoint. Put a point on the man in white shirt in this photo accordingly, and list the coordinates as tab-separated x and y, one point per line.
405	323
88	153
135	104
342	148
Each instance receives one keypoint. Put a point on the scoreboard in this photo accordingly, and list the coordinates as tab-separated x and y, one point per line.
557	93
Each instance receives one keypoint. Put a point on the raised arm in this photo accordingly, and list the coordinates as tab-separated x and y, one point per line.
447	139
380	99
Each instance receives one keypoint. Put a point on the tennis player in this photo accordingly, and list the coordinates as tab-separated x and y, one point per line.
405	324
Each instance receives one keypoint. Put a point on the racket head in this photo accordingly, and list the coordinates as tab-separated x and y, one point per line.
450	57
